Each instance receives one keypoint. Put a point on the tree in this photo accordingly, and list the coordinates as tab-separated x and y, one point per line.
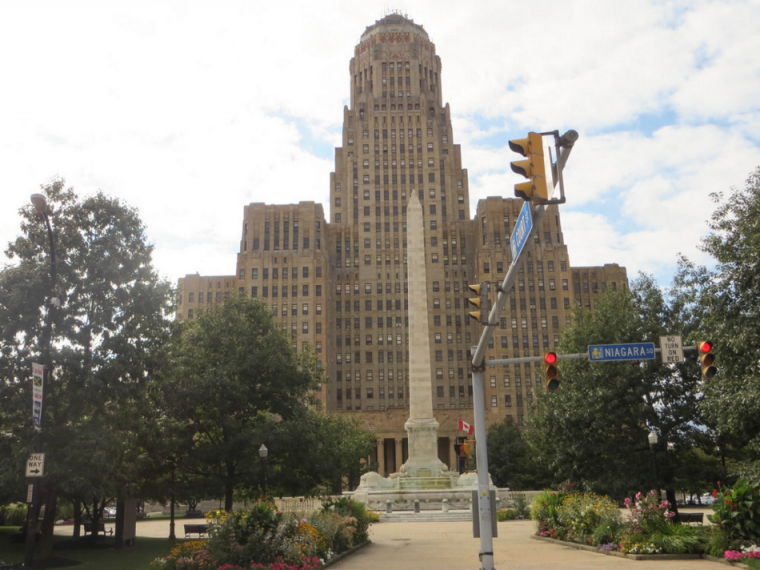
107	341
725	303
235	377
511	462
593	432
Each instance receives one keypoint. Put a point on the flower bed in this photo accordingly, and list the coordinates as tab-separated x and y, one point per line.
593	521
263	538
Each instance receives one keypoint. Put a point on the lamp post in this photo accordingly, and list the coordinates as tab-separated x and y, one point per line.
263	453
40	204
653	441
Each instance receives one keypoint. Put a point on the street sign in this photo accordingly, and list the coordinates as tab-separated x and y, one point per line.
38	372
613	352
30	493
671	349
522	230
35	465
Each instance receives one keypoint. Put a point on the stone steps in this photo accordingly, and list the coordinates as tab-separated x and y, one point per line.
426	516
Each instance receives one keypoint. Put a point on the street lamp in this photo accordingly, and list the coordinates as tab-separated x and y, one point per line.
40	204
653	441
263	453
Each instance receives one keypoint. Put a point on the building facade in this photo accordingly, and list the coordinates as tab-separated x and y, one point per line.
340	284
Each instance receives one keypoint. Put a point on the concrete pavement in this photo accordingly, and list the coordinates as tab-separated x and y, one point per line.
450	546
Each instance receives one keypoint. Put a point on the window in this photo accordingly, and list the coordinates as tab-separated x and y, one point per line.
305	309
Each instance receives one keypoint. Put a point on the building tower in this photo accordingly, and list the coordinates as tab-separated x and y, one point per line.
397	139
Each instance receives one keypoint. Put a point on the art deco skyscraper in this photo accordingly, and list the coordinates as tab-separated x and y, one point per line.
397	139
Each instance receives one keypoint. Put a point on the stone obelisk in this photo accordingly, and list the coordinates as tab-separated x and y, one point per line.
421	427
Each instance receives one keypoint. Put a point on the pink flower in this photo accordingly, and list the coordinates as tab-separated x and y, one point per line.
670	515
638	495
652	491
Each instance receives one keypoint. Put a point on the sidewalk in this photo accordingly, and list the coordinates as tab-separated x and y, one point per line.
450	546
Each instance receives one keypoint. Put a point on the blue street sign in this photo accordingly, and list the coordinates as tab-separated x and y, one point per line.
612	352
522	230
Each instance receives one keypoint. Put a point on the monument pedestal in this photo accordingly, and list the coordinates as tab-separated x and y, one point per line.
423	449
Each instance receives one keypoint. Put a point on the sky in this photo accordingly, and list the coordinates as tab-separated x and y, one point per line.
190	110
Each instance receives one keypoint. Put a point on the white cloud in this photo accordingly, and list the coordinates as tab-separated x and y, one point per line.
188	110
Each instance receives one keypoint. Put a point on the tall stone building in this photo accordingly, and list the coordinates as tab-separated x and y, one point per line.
341	286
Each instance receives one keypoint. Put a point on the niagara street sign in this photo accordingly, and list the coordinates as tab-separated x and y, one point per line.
616	352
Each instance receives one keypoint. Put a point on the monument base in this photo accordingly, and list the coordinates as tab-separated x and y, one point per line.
402	491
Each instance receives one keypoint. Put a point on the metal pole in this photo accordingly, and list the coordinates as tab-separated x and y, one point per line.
484	500
266	469
172	535
52	302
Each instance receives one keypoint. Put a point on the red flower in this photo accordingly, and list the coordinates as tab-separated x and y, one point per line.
715	493
728	500
718	483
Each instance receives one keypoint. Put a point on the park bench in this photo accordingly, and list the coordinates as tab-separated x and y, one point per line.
199	529
691	517
101	528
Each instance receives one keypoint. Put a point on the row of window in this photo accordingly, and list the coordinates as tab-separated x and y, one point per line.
209	297
276	274
294	291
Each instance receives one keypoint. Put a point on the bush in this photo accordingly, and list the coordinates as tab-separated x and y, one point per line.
647	514
737	510
521	505
581	514
349	508
13	515
544	509
674	538
506	515
608	531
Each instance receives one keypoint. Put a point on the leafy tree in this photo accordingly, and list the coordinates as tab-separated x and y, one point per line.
725	303
235	377
593	432
511	462
107	341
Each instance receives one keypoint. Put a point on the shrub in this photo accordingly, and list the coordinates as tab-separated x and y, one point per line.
349	508
608	531
12	515
737	510
506	515
581	514
544	509
191	555
674	538
647	514
521	505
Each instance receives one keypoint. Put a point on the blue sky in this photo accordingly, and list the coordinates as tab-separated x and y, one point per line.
190	110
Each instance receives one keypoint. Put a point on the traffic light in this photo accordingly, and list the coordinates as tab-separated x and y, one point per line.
707	359
551	372
481	302
533	168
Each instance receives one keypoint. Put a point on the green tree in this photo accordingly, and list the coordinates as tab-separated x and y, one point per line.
725	304
511	462
107	341
593	432
235	378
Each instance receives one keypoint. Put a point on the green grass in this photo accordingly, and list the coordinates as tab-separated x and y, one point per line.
137	558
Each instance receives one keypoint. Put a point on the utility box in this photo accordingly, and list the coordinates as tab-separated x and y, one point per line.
476	514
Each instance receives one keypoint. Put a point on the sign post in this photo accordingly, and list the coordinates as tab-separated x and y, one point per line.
671	349
35	465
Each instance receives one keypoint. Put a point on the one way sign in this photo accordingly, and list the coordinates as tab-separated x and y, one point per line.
35	465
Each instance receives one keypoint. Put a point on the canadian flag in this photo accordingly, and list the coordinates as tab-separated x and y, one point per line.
464	426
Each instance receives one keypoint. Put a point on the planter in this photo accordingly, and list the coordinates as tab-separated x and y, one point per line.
342	555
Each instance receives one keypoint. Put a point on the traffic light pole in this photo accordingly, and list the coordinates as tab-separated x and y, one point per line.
478	398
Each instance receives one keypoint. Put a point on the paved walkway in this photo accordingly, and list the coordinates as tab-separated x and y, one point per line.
450	546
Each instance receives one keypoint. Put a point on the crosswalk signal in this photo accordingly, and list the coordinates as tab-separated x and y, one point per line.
533	168
551	372
481	302
707	359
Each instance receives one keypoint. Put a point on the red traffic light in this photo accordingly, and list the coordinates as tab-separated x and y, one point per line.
705	346
550	357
